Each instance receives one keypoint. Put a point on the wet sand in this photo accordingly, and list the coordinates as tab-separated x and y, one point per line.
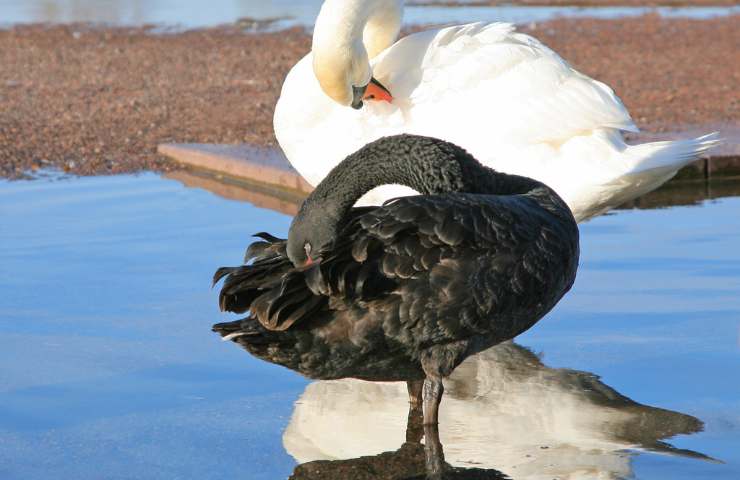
99	100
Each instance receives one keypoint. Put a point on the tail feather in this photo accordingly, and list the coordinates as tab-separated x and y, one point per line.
270	288
245	283
646	167
669	156
245	331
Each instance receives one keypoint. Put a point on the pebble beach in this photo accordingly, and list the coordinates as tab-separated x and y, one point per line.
98	100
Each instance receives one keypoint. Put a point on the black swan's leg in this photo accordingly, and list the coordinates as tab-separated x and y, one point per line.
433	390
438	362
435	458
415	388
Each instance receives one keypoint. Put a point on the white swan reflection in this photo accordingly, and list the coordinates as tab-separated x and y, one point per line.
503	410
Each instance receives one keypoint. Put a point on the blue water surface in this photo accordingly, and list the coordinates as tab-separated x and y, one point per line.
109	369
195	13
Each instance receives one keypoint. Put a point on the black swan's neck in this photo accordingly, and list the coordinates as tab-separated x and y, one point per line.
428	165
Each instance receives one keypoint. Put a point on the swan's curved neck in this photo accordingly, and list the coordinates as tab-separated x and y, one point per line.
348	33
428	165
370	24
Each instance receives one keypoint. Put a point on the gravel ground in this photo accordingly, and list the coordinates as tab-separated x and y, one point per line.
99	100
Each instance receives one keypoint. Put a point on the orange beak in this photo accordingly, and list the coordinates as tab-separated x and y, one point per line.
376	91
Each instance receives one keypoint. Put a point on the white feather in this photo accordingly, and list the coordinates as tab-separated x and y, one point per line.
232	336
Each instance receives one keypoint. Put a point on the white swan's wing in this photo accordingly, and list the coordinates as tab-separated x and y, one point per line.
531	94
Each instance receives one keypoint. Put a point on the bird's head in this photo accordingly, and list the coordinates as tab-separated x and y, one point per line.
345	76
311	233
347	34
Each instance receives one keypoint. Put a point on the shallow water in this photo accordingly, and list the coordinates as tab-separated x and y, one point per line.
109	368
192	14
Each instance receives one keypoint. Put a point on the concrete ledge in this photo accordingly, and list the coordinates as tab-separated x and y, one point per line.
723	167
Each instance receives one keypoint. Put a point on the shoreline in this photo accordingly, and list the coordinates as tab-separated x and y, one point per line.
99	100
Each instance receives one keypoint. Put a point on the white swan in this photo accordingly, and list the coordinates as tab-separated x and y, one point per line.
504	96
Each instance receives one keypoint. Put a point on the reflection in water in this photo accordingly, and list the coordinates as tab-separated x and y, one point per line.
281	201
187	13
675	193
503	410
689	192
410	462
57	11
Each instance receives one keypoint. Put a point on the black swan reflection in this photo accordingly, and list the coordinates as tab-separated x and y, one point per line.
504	411
410	288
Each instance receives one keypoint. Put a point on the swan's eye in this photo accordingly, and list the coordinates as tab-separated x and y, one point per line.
307	248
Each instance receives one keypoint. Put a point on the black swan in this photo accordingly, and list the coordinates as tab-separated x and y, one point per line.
411	288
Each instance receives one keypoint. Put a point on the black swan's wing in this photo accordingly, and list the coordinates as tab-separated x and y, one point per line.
437	268
451	266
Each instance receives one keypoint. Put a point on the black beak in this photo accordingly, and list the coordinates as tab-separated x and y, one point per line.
358	93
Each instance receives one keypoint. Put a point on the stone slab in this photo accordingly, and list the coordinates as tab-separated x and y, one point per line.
723	167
